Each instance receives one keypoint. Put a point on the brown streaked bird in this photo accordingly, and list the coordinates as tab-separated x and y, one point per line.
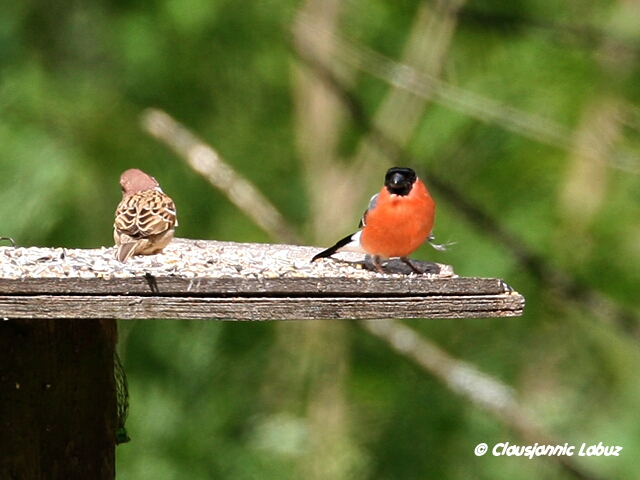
145	218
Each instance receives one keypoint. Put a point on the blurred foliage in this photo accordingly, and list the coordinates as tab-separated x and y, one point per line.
213	400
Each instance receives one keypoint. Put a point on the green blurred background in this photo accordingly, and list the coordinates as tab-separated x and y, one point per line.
524	123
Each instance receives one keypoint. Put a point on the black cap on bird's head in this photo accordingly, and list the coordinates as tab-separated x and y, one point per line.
399	181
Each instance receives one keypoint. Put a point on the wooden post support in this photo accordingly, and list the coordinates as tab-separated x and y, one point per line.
58	307
57	399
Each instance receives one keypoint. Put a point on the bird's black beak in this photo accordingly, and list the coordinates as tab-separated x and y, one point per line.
397	180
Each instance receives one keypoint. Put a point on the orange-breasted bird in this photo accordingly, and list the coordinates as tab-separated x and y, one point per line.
145	218
398	220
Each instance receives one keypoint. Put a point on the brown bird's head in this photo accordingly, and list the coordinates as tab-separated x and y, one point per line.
134	181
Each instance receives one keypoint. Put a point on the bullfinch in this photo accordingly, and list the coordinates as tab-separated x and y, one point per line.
398	220
145	218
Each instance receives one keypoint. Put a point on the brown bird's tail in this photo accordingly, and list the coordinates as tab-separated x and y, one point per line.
126	250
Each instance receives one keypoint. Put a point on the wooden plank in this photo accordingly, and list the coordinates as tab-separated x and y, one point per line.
260	308
327	286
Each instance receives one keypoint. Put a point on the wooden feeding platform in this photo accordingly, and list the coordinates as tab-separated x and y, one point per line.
198	279
58	311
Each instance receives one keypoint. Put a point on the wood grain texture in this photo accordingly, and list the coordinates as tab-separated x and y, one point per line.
57	399
260	308
321	286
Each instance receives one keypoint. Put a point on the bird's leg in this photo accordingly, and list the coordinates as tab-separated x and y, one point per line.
413	267
377	264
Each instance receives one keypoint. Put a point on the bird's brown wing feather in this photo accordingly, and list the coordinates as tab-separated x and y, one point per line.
145	213
144	224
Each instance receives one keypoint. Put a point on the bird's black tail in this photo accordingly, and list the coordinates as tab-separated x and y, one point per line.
330	251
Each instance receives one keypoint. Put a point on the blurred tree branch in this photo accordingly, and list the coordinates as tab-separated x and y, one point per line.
464	379
424	85
584	36
206	161
401	109
557	281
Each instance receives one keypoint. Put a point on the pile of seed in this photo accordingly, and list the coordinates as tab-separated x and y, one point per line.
196	258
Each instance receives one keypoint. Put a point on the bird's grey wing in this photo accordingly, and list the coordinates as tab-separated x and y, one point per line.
372	204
